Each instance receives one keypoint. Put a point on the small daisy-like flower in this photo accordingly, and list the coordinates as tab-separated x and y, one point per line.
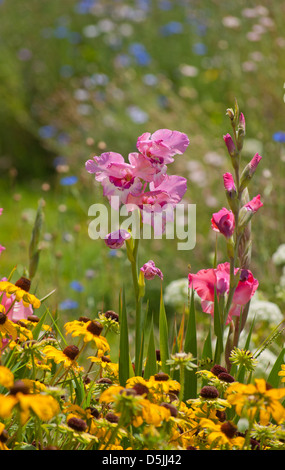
6	377
90	331
221	435
105	362
44	406
7	328
161	383
66	357
18	290
257	400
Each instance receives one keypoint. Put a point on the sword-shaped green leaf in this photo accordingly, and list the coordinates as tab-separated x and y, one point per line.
163	336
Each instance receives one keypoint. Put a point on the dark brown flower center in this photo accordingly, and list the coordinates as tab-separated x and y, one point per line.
3	318
77	424
229	429
161	377
173	410
19	387
4	436
24	283
217	369
140	389
112	315
95	328
104	380
33	318
71	351
225	377
105	359
84	319
209	392
112	418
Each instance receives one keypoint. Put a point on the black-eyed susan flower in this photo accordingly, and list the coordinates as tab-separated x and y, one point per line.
257	400
111	368
20	293
7	328
221	435
6	377
43	405
90	332
162	384
208	402
66	357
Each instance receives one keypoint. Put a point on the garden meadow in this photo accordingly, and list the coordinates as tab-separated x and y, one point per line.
163	115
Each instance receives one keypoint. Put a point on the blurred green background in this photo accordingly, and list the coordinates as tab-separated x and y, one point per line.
81	77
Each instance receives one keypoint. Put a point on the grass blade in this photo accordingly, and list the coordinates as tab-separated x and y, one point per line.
124	354
190	346
150	365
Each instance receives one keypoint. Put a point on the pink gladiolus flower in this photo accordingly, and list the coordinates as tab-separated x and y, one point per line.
230	144
159	201
224	222
254	204
115	240
118	178
150	270
162	145
229	183
206	281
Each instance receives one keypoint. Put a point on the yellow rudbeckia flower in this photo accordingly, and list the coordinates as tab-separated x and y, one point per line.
256	399
6	377
90	331
19	293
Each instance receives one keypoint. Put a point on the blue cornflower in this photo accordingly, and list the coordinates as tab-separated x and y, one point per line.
68	304
199	48
140	54
279	136
77	286
173	27
68	180
47	132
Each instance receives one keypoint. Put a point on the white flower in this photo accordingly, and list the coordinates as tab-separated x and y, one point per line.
265	311
176	293
278	257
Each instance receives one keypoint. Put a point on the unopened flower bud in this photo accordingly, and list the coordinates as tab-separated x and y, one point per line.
233	152
241	131
249	171
231	191
230	144
247	211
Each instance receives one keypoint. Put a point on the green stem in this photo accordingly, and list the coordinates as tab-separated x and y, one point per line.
138	302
